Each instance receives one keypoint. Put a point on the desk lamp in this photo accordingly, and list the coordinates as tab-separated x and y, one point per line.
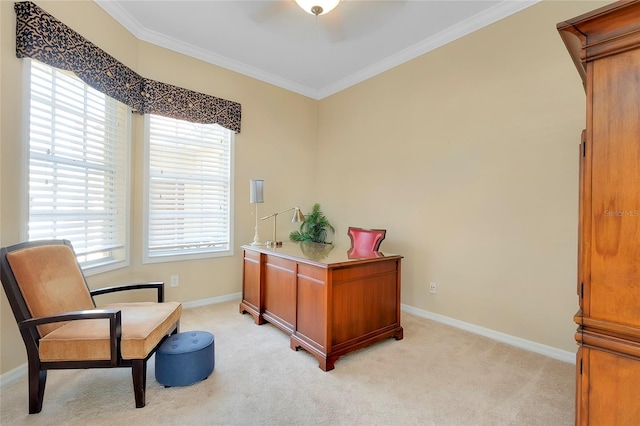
256	197
297	217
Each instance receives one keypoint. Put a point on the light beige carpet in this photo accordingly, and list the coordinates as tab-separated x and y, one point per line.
436	375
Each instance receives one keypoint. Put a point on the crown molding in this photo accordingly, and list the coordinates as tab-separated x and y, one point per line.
500	11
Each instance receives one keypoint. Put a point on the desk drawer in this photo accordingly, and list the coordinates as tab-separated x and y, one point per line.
359	271
312	273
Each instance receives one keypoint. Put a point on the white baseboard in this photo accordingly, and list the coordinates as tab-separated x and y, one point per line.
212	300
13	375
518	342
21	371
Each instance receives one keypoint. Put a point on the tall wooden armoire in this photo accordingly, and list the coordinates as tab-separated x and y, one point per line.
605	46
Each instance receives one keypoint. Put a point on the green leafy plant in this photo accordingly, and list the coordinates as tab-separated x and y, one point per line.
314	228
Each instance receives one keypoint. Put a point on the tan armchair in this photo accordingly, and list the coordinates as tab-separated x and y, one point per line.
61	326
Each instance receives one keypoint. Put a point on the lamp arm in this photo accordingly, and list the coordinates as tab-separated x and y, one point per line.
276	214
298	217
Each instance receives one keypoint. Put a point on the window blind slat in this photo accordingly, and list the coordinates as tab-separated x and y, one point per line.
189	181
77	166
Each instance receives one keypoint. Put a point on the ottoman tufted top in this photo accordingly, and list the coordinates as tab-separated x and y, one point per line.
185	342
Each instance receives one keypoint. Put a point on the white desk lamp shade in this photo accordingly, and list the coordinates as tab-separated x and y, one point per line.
255	191
256	196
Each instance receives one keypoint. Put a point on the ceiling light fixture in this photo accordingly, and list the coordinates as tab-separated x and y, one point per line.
317	7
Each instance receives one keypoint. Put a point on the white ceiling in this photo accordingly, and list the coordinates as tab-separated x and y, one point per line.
277	42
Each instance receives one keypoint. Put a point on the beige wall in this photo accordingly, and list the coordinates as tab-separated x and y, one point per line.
467	155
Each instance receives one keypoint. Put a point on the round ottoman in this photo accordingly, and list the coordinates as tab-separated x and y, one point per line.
185	358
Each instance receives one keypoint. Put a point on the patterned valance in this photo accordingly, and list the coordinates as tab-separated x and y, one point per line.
41	36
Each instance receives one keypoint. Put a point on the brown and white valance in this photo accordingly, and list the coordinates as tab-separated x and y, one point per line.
41	36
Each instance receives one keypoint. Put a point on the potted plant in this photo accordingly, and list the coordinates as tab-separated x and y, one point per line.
314	228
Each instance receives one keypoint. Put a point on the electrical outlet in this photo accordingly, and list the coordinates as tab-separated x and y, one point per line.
433	288
175	281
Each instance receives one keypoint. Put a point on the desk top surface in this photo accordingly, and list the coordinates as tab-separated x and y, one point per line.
322	254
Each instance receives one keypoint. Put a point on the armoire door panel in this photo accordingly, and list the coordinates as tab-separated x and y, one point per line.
615	177
613	388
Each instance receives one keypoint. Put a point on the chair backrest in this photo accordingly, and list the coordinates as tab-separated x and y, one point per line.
43	278
366	239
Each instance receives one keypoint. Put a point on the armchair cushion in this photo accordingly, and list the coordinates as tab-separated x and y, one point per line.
144	324
50	282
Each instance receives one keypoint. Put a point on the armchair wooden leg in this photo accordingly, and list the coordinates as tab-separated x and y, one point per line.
139	373
37	381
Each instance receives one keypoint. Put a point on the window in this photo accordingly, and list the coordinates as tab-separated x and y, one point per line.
188	187
78	167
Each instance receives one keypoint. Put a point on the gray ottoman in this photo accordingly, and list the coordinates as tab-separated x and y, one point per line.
185	358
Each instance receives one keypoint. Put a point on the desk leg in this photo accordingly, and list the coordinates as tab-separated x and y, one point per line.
399	334
257	316
326	363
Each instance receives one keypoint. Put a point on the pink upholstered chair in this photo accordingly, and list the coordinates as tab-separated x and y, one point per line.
366	239
61	326
363	254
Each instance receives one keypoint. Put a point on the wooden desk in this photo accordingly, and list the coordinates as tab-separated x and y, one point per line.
330	301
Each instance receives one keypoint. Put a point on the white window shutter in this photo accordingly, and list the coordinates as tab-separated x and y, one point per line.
189	188
78	166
